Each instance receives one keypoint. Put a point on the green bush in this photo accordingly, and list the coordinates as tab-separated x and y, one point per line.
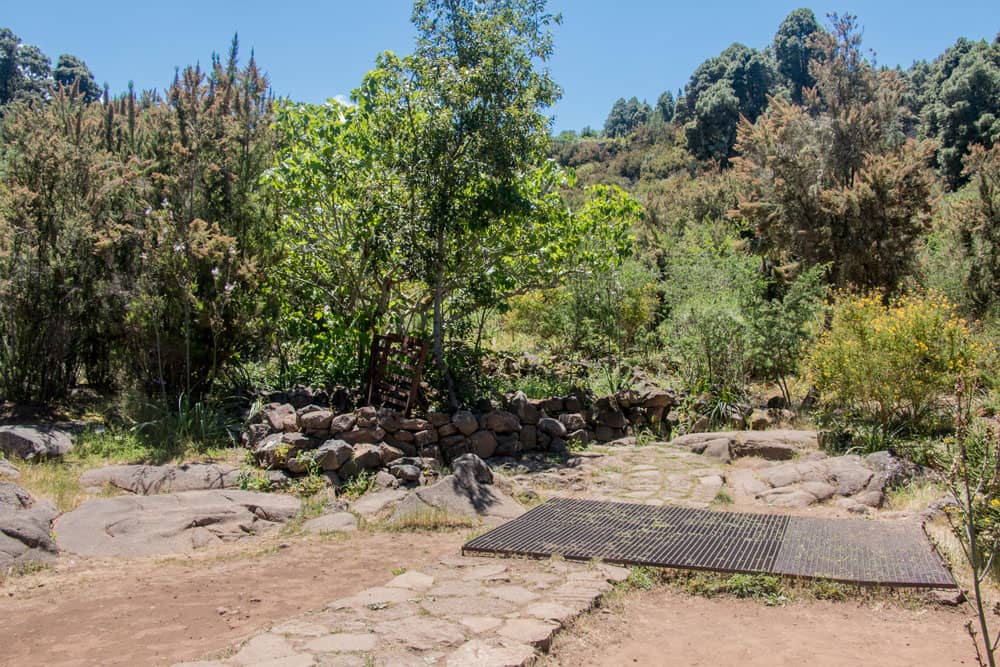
890	364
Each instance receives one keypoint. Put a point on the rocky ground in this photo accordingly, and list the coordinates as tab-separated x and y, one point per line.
471	611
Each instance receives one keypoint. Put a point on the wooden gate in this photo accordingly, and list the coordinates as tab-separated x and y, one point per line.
394	371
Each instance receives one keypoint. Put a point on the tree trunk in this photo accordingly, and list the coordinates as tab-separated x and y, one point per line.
438	332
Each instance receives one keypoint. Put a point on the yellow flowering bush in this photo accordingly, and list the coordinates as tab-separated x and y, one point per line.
884	362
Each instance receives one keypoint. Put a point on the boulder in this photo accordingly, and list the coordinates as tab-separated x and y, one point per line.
170	523
34	443
25	528
508	444
363	435
466	422
8	470
483	444
657	398
447	430
147	480
471	471
406	472
525	410
529	438
281	417
425	437
777	445
573	421
389	453
759	420
891	471
438	419
342	423
384	480
552	427
367	457
334	453
452	496
414	424
501	421
316	422
609	413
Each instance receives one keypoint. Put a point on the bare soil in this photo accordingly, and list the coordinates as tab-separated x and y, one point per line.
162	611
668	627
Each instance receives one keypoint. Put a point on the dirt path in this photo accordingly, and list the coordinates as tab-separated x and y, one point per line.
161	611
667	627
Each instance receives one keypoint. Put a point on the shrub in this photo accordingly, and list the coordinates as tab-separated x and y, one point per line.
884	363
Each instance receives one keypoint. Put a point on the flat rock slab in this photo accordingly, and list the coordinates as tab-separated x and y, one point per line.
443	614
776	445
333	522
25	528
147	480
862	552
8	470
34	443
170	523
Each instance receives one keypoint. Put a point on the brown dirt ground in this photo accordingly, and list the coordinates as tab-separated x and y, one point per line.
669	627
161	611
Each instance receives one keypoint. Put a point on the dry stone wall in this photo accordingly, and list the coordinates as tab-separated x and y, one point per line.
345	443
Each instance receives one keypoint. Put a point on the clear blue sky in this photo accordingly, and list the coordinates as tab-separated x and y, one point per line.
604	49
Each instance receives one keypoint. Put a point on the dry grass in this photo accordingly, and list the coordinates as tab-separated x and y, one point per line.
59	482
430	520
915	496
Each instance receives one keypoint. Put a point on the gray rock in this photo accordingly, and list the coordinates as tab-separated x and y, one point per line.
371	505
169	523
501	421
466	422
363	436
407	473
526	412
891	471
609	413
581	436
342	423
34	443
447	430
414	424
471	471
788	496
451	496
552	427
483	444
367	457
25	528
147	480
389	453
8	470
280	417
573	421
425	437
529	438
508	444
334	453
438	419
384	480
657	398
316	422
334	522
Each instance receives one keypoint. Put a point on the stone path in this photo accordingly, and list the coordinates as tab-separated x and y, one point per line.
657	474
461	612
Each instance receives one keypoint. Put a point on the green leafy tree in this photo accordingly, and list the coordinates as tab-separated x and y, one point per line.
71	71
626	116
666	106
25	72
794	49
961	105
722	89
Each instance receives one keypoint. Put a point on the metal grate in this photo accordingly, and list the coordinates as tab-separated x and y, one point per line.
862	552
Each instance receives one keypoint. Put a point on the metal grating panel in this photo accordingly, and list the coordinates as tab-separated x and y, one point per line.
862	552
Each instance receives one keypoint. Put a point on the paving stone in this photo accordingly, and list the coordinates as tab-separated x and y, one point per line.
414	581
479	572
479	653
262	648
481	624
458	607
334	522
300	628
373	596
516	594
550	611
535	632
421	633
344	642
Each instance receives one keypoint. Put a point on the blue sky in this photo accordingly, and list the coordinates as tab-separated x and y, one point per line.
604	50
